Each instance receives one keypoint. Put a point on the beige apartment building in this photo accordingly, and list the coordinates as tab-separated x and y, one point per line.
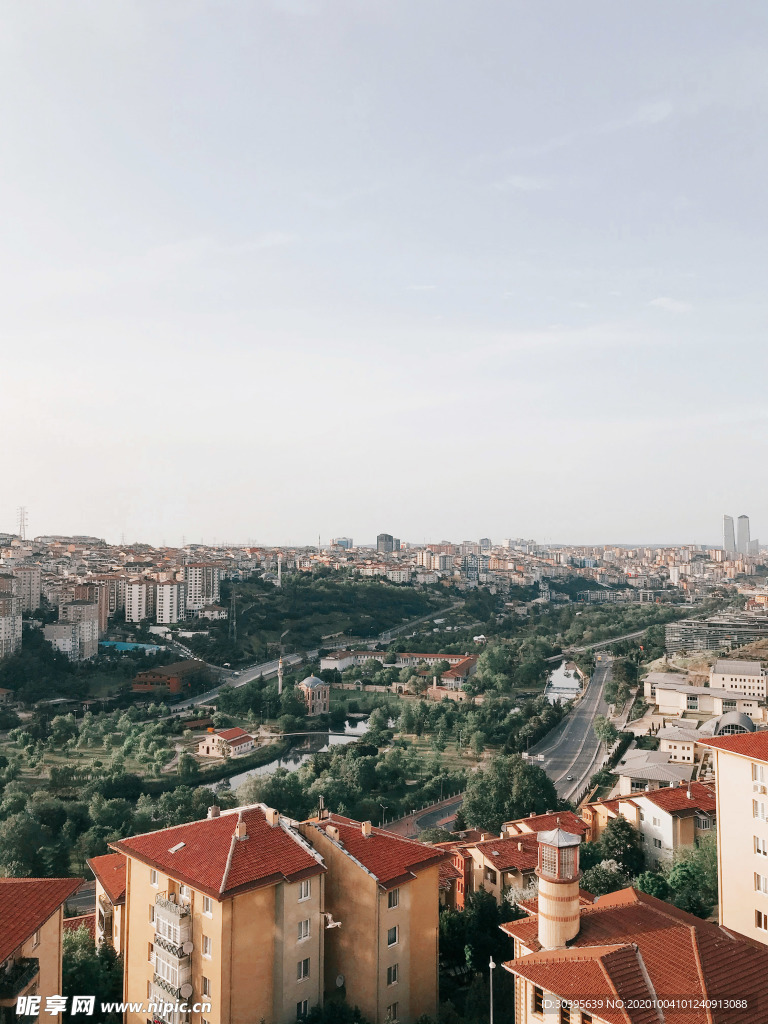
223	920
382	894
741	785
109	871
31	929
29	579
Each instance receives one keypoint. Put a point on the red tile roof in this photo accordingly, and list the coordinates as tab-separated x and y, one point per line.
517	853
448	874
749	744
214	861
390	858
88	921
673	799
26	904
110	871
234	736
566	820
684	957
586	899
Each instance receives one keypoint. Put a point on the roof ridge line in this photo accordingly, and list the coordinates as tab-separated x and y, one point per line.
230	855
700	971
644	970
613	988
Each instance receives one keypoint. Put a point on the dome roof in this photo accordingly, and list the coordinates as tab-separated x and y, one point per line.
311	682
733	722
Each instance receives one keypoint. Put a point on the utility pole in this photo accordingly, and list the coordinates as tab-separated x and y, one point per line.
491	966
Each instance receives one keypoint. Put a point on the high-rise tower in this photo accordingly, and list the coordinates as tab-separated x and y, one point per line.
729	537
742	535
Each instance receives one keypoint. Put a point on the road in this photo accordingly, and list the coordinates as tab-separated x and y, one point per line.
269	668
571	747
84	900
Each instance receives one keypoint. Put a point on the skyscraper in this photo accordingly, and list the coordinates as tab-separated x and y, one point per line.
729	539
742	535
385	543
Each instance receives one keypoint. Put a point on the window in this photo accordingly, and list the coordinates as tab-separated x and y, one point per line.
490	876
305	889
302	969
758	809
206	986
153	878
36	939
538	1000
758	773
302	1008
704	823
392	936
565	1013
392	1012
167	969
185	894
642	816
548	860
150	951
761	847
208	906
393	899
657	822
392	974
761	920
657	843
169	929
149	990
151	913
207	945
761	883
303	930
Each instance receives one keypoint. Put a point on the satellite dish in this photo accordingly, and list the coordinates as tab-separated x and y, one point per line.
188	947
339	981
186	991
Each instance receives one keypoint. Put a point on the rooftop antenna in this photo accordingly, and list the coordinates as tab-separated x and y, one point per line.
23	522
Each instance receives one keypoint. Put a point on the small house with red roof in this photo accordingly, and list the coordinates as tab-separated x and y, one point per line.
235	742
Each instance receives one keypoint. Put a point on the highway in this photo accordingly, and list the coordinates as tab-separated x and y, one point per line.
570	749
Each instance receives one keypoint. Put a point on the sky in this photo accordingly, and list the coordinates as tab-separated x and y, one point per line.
279	269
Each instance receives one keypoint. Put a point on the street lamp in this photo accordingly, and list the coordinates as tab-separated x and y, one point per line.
491	966
383	809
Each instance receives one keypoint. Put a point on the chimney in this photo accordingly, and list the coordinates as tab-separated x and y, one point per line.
532	814
332	832
272	816
689	794
240	832
366	828
519	846
214	811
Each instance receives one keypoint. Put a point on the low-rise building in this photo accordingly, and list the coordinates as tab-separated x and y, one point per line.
316	694
745	677
642	770
233	742
621	959
171	679
680	698
31	931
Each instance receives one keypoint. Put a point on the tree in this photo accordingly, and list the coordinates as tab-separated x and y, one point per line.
605	730
187	767
654	883
604	878
621	842
483	937
89	970
687	894
506	788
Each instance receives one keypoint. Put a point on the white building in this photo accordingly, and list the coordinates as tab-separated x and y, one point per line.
202	582
10	616
136	602
170	605
745	676
78	640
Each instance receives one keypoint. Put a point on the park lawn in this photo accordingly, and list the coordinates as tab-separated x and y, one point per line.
450	757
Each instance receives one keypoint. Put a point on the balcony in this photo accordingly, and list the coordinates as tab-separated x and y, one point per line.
20	974
175	949
169	903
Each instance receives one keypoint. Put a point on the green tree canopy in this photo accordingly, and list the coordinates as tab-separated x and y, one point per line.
508	787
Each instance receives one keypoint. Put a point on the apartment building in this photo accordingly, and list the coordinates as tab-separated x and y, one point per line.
10	616
383	891
137	600
202	585
170	604
31	929
627	959
747	677
78	640
741	785
98	594
86	614
228	913
29	578
109	871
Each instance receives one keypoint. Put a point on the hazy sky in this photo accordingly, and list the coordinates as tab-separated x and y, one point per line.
278	268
